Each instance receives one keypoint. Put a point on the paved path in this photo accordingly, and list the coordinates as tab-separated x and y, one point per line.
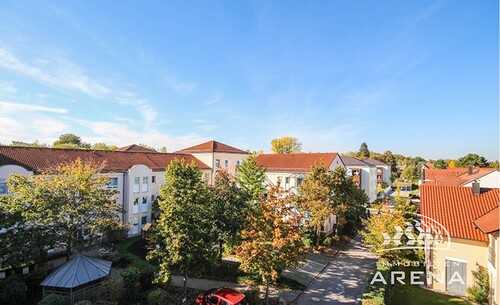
306	273
344	279
204	284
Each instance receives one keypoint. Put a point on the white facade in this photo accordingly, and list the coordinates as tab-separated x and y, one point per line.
220	160
368	179
490	180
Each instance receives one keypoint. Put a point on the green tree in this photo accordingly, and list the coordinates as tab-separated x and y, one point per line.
363	152
229	209
411	173
103	146
70	200
472	160
389	159
183	235
495	165
70	140
32	144
250	177
286	145
272	240
441	164
480	291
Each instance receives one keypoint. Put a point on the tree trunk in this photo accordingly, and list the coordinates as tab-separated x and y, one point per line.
267	292
184	283
220	251
318	235
68	251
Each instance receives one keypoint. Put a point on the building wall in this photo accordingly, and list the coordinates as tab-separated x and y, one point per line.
210	159
491	180
368	180
462	250
7	170
494	267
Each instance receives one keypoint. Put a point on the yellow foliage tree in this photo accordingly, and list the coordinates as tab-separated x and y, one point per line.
286	145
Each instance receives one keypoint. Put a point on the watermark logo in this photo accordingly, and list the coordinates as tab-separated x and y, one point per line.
420	233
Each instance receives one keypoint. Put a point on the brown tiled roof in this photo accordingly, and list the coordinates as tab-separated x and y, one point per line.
135	148
38	159
454	176
489	222
301	162
456	208
212	146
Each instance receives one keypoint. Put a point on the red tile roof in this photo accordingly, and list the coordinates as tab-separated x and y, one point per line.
135	148
301	162
38	158
454	176
212	146
489	222
457	207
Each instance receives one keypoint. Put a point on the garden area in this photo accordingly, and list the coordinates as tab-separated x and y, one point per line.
416	295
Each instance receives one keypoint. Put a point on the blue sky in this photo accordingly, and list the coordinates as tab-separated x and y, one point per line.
415	77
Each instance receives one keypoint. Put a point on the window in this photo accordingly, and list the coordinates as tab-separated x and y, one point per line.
287	180
153	179
135	208
113	183
152	198
238	162
144	220
144	184
217	163
299	181
3	188
226	163
136	185
135	228
144	204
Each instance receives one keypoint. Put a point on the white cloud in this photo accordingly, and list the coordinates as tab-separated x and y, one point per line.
176	84
49	127
57	72
7	107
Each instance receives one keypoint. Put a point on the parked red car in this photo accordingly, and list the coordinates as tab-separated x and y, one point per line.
221	296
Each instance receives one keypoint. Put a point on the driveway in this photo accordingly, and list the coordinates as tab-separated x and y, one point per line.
344	279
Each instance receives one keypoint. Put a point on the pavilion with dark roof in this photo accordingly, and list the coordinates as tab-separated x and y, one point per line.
77	280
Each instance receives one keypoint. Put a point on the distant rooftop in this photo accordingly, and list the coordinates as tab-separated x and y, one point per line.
454	176
300	162
212	146
135	148
351	161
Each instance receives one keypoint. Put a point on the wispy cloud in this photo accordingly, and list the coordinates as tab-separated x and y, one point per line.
8	107
213	100
57	72
177	84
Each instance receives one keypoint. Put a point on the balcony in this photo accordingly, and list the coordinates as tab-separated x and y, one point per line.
144	207
135	209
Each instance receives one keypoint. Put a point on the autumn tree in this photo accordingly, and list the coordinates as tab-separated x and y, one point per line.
378	228
250	177
70	200
272	240
440	164
452	164
286	145
316	197
411	173
228	209
70	140
103	146
363	152
183	237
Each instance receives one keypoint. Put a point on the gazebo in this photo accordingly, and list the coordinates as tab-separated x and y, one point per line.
79	279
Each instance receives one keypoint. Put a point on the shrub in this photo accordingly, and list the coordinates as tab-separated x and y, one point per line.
157	297
122	261
130	276
112	291
84	302
252	296
479	292
146	277
378	293
12	291
52	299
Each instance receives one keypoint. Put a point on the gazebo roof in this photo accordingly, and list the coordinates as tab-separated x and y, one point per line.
78	271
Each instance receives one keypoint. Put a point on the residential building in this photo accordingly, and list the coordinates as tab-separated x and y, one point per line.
460	210
364	174
383	172
217	155
291	169
489	223
488	177
135	172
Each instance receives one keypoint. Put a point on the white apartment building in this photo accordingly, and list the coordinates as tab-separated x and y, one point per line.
134	171
364	174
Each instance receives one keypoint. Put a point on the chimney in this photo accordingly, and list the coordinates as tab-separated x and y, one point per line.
476	188
470	170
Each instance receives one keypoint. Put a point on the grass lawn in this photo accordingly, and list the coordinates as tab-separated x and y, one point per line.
134	247
415	295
